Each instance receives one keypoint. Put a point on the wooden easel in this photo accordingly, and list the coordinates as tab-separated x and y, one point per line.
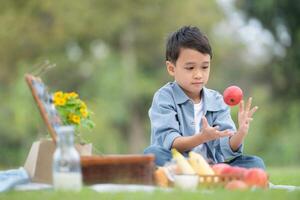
43	100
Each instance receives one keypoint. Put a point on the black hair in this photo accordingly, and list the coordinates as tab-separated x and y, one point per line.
186	37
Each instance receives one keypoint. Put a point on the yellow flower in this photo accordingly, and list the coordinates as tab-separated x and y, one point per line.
84	112
58	95
83	105
72	110
71	95
74	118
58	98
59	101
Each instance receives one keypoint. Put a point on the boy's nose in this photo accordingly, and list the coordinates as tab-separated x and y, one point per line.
197	74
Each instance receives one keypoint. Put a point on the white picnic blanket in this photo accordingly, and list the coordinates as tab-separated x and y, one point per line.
289	188
123	188
10	178
19	179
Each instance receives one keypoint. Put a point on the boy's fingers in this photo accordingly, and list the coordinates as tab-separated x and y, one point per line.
252	111
241	106
249	120
225	133
204	122
249	102
216	127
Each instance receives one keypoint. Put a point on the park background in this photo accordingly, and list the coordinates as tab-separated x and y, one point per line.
111	52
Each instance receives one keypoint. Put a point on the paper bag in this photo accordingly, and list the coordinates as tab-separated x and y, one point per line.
39	160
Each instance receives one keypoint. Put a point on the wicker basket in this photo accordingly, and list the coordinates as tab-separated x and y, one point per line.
129	169
211	181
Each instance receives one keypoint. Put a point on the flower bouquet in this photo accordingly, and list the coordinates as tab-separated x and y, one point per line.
73	111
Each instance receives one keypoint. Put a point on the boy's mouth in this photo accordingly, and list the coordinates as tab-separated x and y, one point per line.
197	83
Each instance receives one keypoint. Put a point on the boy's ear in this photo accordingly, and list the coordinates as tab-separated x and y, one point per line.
170	68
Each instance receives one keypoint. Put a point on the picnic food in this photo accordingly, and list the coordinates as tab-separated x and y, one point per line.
253	177
234	171
236	184
256	177
199	164
219	168
186	181
182	163
221	174
233	95
161	178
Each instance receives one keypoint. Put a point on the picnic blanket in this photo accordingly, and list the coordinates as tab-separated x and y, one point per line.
19	179
289	188
10	178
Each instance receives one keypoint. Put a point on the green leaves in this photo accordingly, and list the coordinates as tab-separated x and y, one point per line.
72	110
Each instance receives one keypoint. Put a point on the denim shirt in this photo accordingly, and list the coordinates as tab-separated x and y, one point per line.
172	115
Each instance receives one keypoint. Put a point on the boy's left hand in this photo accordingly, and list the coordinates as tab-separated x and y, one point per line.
245	116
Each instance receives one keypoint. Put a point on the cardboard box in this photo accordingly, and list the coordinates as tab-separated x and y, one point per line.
39	160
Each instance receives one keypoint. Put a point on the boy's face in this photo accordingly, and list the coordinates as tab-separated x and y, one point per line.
191	71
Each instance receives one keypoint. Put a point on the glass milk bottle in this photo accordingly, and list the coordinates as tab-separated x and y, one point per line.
66	161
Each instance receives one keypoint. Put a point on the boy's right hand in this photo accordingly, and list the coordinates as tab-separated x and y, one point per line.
211	133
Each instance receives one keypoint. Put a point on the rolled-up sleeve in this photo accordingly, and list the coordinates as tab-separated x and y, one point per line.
164	123
224	121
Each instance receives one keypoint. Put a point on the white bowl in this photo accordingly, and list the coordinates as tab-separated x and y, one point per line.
186	181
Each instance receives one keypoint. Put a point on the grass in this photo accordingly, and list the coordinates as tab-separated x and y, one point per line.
285	176
288	176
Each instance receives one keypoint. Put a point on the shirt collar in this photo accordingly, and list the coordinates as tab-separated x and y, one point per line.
179	95
212	100
209	98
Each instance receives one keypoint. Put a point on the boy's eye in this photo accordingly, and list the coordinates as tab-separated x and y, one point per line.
189	68
204	67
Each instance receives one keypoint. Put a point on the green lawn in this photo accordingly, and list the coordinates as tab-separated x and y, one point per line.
285	176
289	175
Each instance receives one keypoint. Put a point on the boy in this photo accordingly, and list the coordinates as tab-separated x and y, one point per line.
189	117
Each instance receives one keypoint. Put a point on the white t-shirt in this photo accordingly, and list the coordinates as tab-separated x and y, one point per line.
198	113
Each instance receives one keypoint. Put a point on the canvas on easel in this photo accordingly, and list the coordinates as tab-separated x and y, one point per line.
43	100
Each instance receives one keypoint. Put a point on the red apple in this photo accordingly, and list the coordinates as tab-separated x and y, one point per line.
240	171
256	177
235	171
232	95
227	171
236	184
219	168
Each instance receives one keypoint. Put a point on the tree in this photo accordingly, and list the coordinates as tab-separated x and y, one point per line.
279	127
278	16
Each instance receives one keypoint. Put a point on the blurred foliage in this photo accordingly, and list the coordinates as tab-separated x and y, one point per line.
280	121
280	17
111	53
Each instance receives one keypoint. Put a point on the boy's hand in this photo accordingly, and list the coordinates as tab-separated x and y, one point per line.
245	116
211	133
